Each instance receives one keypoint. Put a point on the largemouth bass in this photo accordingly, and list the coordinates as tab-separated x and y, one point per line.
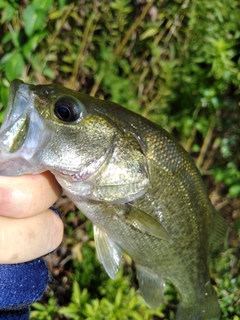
138	186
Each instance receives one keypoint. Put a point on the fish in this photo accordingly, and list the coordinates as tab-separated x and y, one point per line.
131	178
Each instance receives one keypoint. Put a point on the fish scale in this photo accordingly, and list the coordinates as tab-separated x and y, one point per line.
138	186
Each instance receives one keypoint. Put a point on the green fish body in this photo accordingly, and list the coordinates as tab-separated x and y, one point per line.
138	186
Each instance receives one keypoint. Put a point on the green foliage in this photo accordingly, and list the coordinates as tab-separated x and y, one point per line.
228	284
45	312
175	62
20	43
119	302
231	177
34	16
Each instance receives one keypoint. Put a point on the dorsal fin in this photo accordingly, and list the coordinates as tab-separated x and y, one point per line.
109	253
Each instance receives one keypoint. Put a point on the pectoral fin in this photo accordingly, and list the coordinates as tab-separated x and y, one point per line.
151	286
109	253
145	223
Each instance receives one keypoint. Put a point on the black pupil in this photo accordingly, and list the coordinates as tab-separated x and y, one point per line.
67	109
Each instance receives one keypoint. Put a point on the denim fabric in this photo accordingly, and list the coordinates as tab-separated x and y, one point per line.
21	285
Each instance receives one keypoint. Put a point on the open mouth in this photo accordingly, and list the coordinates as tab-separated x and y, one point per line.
23	132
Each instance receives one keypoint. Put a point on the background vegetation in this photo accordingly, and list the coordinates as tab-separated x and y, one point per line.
175	62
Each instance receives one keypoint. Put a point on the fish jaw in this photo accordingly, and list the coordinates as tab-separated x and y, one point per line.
23	133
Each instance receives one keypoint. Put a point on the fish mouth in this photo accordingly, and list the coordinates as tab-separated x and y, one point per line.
14	166
21	132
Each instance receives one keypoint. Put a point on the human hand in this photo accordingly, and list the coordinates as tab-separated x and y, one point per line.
28	229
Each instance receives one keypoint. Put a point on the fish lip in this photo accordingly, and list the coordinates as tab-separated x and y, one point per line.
14	166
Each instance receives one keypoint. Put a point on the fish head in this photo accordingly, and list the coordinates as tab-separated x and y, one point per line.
49	127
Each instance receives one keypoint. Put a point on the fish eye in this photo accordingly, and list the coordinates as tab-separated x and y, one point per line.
67	109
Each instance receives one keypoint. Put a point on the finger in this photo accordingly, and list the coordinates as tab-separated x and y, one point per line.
27	195
25	239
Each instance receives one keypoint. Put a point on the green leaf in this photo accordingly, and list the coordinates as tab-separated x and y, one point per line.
76	295
149	33
62	3
70	311
34	20
38	306
3	4
134	315
119	297
36	62
15	38
42	4
30	46
14	66
234	190
49	73
7	12
4	91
